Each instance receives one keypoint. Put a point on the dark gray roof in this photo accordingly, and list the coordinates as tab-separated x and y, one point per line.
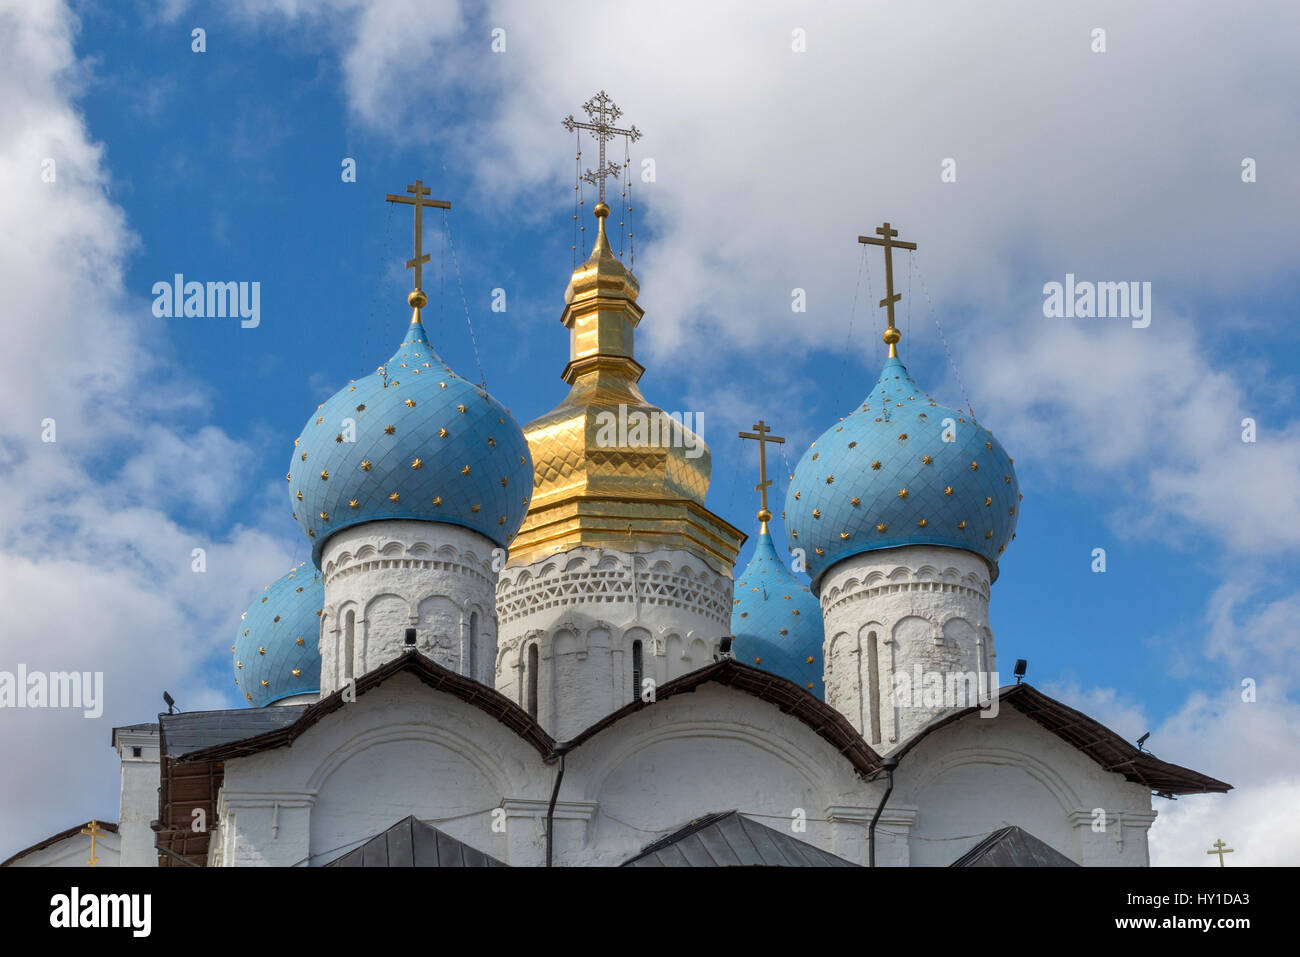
195	730
412	843
143	726
1013	847
729	839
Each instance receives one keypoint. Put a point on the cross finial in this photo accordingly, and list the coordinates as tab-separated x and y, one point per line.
891	334
603	113
762	434
93	830
419	191
1220	848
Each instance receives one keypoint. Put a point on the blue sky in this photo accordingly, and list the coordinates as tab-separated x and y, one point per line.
1123	165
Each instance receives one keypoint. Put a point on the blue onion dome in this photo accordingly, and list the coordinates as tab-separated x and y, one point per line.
883	477
412	440
776	621
277	649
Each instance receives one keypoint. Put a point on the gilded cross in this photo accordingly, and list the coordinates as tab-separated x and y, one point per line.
887	235
1220	849
762	434
603	114
93	830
419	202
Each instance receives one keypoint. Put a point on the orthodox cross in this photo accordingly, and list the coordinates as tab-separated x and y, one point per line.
603	114
892	335
93	830
762	435
1220	849
419	202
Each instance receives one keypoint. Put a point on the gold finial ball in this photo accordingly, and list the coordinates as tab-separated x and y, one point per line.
417	299
764	515
891	336
601	210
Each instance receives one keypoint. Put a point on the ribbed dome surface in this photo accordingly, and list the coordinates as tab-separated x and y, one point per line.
884	477
276	650
428	445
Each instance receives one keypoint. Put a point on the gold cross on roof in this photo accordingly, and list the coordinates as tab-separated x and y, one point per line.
1220	848
891	335
762	435
419	202
93	830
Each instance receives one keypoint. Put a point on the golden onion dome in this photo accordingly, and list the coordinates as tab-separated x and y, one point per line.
610	468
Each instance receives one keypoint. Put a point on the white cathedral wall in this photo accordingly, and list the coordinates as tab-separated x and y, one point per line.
381	578
584	609
917	605
139	801
715	749
399	749
968	779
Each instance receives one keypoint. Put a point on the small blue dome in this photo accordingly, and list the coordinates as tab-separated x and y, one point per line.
277	649
776	621
884	477
428	445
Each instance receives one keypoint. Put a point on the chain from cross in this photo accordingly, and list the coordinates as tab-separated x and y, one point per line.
93	830
762	434
419	202
603	113
1220	848
891	335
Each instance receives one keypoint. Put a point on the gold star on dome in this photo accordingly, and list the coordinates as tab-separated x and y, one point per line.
304	457
926	460
288	477
491	441
974	466
442	433
830	480
902	493
239	664
464	470
875	466
442	385
855	501
325	516
365	465
1007	479
795	611
475	508
299	641
261	651
299	496
265	683
437	500
902	437
947	490
505	481
819	551
961	524
988	534
844	536
394	497
410	403
988	445
460	408
987	501
817	513
297	672
815	456
339	437
353	503
882	527
320	420
417	463
389	429
361	407
922	523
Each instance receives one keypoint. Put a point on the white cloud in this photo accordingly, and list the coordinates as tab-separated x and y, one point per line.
95	569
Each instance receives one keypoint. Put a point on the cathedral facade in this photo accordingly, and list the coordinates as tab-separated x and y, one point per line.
531	646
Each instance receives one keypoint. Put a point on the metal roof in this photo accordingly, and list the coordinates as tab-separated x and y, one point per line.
1012	847
729	839
195	730
412	843
1091	737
